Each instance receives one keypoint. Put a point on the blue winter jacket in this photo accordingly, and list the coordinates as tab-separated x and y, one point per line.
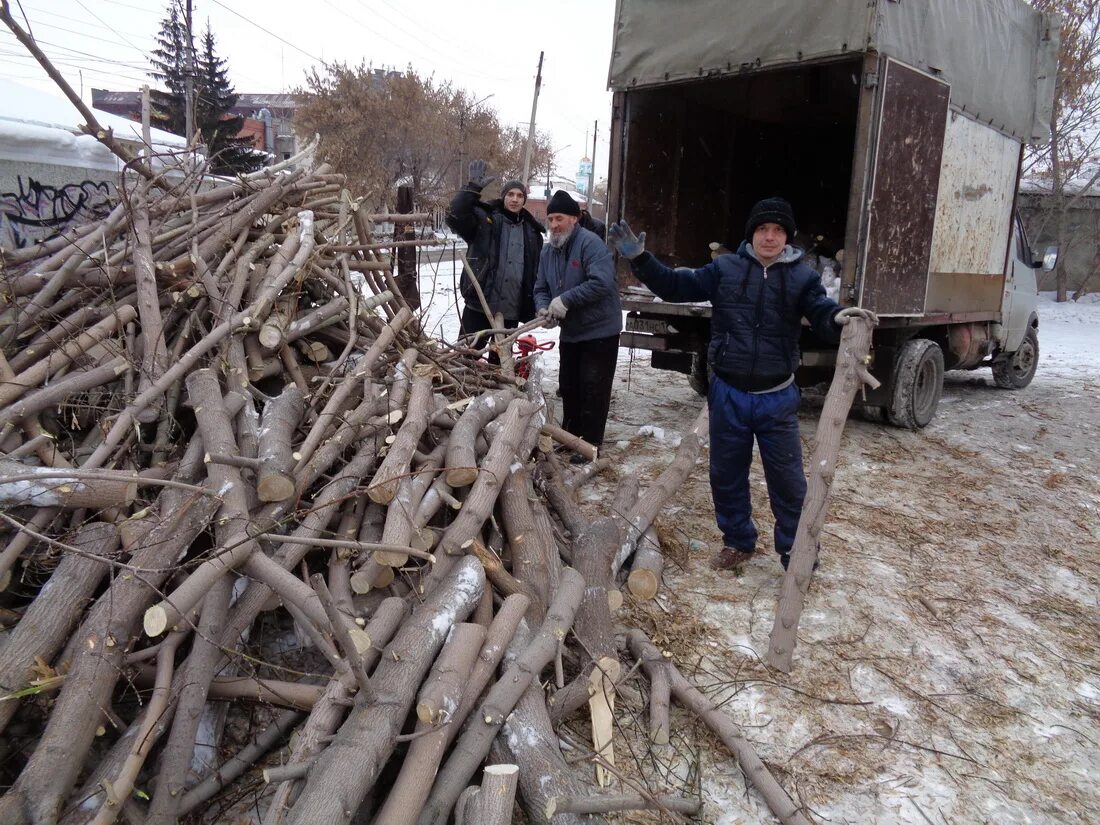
757	313
583	273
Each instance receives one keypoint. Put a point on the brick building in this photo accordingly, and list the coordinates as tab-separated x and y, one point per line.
256	109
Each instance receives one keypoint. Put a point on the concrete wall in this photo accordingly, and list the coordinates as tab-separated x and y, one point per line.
1080	260
38	200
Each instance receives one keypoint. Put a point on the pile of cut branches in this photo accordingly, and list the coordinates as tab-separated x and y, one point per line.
222	427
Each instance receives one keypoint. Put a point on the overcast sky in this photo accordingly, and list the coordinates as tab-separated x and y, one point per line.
490	47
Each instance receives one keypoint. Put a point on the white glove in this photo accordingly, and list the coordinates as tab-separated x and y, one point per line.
848	313
558	309
549	322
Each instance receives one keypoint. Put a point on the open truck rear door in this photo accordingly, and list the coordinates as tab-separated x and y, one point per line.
901	211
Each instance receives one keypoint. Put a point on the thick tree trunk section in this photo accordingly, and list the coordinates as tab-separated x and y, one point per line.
331	708
45	626
275	481
535	560
544	774
474	744
653	500
47	487
756	771
649	563
494	469
461	460
198	673
435	709
349	767
593	552
851	374
491	804
395	465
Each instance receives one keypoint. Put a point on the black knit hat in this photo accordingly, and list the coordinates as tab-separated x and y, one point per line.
513	184
770	210
562	204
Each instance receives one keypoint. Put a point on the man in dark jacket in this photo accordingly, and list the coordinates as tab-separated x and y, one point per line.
504	241
759	296
593	225
576	288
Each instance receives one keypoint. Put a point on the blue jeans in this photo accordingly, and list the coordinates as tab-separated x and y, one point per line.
737	417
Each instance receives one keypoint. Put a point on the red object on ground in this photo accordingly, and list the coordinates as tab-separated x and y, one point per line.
527	346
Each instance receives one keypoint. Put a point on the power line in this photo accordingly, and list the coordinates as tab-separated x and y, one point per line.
267	31
145	9
100	19
92	25
72	51
84	34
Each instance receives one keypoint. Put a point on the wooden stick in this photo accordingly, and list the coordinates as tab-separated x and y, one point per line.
851	374
755	771
610	804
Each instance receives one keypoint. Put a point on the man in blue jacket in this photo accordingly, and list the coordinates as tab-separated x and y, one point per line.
759	296
504	241
576	288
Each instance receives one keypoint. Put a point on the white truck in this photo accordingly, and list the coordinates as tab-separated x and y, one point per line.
896	128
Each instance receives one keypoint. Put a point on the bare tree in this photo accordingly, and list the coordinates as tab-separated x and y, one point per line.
384	128
1072	156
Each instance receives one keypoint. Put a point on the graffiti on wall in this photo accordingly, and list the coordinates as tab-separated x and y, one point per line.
38	211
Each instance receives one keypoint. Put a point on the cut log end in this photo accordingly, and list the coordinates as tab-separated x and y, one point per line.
155	621
615	599
360	638
643	584
501	770
390	559
383	493
275	487
461	476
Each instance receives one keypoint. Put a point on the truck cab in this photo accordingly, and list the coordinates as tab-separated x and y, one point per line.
899	147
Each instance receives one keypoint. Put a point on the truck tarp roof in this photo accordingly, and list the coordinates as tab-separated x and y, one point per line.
1000	56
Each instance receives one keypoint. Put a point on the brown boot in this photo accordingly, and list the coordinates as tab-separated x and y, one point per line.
730	558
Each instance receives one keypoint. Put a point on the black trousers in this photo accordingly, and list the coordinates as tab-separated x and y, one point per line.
585	377
475	321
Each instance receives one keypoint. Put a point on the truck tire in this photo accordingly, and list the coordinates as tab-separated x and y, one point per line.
918	384
1014	370
699	379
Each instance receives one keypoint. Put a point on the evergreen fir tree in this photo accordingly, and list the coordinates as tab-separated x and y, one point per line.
169	61
216	99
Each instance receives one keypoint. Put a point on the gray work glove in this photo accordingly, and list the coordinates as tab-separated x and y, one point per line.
479	177
848	313
549	320
625	242
558	309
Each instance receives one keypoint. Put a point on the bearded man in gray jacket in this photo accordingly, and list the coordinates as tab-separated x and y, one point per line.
575	287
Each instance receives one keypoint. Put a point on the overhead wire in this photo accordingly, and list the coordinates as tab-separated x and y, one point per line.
267	31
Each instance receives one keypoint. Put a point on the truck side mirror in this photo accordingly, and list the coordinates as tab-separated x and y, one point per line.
1048	261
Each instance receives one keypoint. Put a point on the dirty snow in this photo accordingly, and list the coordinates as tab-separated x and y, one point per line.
947	664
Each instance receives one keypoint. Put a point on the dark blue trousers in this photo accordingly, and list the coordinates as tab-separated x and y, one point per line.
736	418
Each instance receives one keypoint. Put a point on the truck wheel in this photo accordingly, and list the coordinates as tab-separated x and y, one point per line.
1014	370
918	383
699	380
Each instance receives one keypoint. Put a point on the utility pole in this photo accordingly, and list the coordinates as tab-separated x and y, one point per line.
189	80
531	127
592	176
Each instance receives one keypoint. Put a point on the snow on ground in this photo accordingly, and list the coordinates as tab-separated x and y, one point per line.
947	668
